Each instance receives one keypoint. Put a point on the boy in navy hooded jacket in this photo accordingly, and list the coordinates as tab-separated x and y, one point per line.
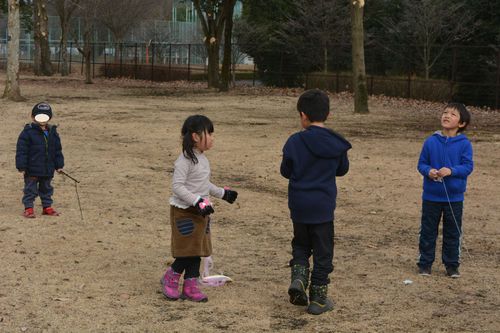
445	162
38	155
311	160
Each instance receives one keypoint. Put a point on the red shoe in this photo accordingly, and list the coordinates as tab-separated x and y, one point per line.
50	211
29	213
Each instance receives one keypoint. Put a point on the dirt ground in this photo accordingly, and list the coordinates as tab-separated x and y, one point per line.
120	139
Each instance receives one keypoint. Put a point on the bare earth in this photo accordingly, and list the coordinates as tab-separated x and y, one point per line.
120	139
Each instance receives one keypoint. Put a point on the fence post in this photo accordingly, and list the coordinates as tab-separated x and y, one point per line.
121	59
189	62
281	68
497	97
93	60
337	82
170	62
408	87
253	74
135	62
152	61
70	54
105	62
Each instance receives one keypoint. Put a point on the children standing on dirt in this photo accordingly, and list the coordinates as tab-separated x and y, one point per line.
312	159
38	155
445	162
190	209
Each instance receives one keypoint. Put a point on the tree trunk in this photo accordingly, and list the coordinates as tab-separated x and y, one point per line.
43	65
12	90
213	64
87	54
228	33
358	58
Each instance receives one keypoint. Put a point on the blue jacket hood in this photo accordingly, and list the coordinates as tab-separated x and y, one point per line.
323	142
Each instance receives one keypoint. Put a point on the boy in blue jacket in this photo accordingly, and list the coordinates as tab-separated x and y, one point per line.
312	159
445	162
38	155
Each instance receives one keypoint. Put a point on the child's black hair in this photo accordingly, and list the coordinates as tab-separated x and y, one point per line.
194	124
315	104
464	114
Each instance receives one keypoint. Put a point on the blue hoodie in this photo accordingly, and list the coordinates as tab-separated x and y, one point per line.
454	153
311	160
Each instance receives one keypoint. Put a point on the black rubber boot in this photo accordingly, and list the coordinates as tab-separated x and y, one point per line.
298	286
318	300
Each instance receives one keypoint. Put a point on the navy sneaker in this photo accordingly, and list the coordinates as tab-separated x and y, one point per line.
424	270
452	272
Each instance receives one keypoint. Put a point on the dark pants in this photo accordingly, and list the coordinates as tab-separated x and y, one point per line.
431	216
37	186
315	240
191	266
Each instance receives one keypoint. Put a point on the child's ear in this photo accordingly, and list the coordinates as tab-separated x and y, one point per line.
195	137
462	125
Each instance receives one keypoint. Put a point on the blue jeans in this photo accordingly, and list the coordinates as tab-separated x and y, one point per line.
431	216
37	186
315	240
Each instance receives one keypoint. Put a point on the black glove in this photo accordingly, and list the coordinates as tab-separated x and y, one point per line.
204	207
229	195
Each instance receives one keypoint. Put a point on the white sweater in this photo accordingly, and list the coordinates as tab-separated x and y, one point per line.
191	181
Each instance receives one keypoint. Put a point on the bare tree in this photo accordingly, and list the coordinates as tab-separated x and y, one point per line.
65	10
431	27
358	57
212	15
87	10
12	90
120	16
42	64
228	41
313	29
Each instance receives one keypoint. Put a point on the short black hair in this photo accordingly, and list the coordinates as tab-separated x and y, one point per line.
315	104
464	114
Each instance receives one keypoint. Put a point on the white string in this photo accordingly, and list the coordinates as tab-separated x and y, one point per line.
461	244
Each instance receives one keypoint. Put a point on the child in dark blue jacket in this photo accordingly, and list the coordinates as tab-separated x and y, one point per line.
38	155
445	162
311	160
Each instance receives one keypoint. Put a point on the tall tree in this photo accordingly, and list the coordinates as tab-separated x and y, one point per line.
257	34
428	28
212	15
65	10
358	57
87	10
42	64
228	45
314	30
120	16
12	90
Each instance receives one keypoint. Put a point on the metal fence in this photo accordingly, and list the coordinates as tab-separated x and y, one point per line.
452	76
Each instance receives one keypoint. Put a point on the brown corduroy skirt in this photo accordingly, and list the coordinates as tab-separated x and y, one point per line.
190	233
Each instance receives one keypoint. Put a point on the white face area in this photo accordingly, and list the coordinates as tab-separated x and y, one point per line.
42	118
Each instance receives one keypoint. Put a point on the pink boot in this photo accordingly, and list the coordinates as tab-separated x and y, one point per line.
170	283
191	292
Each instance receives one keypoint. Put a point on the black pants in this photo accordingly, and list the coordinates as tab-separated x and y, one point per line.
315	240
432	212
189	265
